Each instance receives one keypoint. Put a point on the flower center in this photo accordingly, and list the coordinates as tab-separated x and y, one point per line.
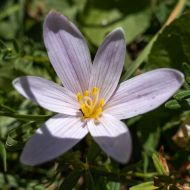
90	104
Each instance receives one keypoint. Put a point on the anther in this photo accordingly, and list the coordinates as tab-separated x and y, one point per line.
90	104
86	93
79	96
102	102
95	91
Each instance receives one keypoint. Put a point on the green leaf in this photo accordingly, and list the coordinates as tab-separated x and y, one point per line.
172	104
144	186
19	135
97	22
22	117
182	94
186	69
149	131
9	20
100	182
3	154
140	59
113	186
8	11
171	48
68	8
90	184
71	180
158	165
93	152
7	75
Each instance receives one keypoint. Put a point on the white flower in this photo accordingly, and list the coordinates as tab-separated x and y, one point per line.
91	99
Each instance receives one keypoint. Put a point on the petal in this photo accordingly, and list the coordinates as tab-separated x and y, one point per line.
144	93
108	63
67	51
47	94
112	136
57	135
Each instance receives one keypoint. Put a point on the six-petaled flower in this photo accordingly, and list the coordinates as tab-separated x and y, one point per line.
90	100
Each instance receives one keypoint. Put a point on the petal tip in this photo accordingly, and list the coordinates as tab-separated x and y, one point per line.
117	35
179	76
15	81
24	160
125	158
28	159
118	32
119	29
54	20
53	13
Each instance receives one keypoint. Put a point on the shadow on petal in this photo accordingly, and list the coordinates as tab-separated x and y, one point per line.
47	144
56	22
119	147
26	88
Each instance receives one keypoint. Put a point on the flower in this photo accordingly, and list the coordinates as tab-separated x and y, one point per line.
91	100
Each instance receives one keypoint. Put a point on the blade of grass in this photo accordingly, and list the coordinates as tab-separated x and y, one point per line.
144	54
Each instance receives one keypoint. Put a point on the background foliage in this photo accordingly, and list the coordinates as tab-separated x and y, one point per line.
152	42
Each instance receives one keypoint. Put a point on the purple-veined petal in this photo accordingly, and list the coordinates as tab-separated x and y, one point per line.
56	136
67	51
47	94
112	136
108	63
144	93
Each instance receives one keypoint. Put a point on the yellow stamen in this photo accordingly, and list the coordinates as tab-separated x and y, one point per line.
90	104
79	96
86	93
102	102
95	91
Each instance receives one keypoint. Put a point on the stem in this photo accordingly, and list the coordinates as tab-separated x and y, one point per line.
23	117
115	176
40	59
144	175
176	12
143	55
120	176
9	11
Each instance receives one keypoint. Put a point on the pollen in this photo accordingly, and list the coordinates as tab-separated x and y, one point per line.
91	105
